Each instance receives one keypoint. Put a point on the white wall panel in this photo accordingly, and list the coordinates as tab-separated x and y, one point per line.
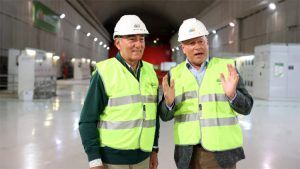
255	27
17	31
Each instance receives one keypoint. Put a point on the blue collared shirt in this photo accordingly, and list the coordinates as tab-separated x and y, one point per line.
199	74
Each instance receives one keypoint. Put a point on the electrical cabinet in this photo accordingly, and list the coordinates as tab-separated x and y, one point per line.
275	68
81	69
36	74
245	66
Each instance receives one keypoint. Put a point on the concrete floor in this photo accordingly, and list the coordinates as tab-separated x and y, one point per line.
44	133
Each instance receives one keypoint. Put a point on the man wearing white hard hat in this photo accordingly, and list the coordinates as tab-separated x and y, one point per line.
119	124
204	95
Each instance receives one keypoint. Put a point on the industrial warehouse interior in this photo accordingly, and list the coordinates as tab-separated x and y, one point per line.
51	49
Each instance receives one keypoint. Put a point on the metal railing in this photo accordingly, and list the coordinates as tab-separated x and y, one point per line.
9	83
44	86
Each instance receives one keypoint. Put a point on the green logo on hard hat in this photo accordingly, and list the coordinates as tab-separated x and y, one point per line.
136	25
219	80
192	30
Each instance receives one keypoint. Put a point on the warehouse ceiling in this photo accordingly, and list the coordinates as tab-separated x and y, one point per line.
162	17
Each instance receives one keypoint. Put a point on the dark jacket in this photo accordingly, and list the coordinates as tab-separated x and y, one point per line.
95	102
242	104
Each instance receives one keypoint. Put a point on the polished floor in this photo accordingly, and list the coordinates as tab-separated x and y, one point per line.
43	134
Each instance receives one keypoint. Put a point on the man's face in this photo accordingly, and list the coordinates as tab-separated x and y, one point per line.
131	47
196	50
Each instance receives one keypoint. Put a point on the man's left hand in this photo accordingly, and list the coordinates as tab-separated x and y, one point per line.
153	160
229	84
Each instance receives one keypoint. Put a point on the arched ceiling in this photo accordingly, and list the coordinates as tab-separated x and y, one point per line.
162	17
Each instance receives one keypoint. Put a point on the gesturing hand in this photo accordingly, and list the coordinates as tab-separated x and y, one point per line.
169	91
229	84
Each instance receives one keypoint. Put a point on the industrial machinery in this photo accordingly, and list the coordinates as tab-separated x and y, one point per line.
33	72
275	72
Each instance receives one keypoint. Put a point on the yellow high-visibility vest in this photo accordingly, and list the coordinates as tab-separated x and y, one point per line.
203	113
129	120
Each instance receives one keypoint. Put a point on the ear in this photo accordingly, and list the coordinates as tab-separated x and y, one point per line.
206	41
183	48
117	43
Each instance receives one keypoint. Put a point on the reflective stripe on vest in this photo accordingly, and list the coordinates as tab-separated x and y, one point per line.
126	124
131	99
185	96
203	113
213	98
128	121
203	98
186	117
206	122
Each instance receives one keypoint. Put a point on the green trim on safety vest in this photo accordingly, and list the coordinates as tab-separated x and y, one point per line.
129	119
203	113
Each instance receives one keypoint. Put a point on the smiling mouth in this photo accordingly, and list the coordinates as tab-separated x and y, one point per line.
136	51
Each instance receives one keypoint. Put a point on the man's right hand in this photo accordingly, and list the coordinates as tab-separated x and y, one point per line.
169	91
98	167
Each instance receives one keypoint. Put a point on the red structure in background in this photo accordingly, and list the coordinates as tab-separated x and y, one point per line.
154	54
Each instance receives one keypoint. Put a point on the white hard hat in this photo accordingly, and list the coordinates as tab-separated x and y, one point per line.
191	28
130	25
